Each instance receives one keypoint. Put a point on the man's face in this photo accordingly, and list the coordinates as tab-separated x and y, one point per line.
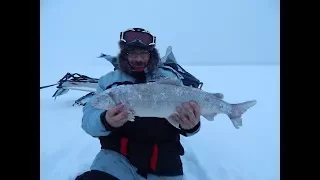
138	59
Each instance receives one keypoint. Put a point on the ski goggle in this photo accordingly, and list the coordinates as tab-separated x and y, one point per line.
132	35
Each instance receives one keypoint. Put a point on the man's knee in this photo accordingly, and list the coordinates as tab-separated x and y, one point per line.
95	175
154	177
114	164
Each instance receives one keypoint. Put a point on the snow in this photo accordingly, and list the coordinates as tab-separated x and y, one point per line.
238	56
219	151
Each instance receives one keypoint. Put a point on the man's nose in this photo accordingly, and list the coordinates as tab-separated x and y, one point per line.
139	58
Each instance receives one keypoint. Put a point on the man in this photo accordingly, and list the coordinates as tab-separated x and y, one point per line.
148	148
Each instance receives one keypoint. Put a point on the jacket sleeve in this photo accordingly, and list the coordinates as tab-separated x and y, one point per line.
190	132
92	120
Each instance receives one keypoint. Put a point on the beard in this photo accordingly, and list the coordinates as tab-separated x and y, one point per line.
138	66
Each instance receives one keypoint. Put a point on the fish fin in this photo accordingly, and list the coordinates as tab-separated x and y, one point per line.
237	122
238	110
173	122
210	117
169	80
130	111
131	116
218	95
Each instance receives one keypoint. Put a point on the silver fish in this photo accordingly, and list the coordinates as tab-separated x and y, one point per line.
160	99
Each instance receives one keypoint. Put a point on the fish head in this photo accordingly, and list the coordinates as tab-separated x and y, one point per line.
103	101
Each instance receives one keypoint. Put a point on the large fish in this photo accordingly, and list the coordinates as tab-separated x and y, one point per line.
160	99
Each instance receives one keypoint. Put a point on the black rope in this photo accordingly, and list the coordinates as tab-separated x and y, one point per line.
48	86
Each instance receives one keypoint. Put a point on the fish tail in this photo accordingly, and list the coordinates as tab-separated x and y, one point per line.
237	110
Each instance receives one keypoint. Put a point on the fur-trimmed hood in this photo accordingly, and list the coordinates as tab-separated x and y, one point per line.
124	65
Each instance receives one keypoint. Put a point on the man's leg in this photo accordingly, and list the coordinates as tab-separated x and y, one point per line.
154	177
95	175
115	165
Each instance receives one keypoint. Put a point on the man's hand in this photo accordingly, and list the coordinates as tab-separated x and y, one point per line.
117	116
189	117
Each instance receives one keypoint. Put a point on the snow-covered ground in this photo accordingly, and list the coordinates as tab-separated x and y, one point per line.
219	151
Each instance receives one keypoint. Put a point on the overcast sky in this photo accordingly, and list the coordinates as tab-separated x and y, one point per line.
201	32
